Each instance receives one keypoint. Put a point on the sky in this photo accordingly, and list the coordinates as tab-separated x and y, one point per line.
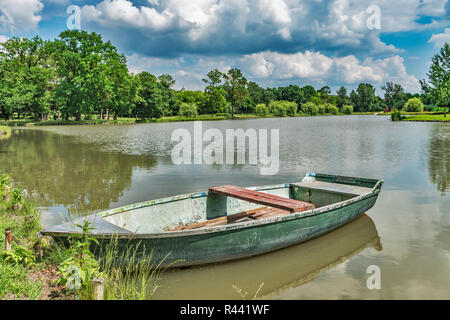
274	42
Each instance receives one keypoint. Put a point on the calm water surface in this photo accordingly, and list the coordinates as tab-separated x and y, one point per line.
406	234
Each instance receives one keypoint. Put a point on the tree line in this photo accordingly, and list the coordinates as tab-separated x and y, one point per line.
78	74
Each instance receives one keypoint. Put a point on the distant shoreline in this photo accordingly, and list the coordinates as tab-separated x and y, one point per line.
27	123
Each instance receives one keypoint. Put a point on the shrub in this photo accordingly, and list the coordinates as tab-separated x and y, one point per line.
80	266
309	108
413	105
283	108
396	115
261	109
188	110
19	256
291	108
332	109
347	109
321	109
280	110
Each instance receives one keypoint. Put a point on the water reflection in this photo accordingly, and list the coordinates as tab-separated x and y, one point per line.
61	171
439	156
271	273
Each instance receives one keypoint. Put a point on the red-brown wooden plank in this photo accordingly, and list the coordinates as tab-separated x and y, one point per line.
262	198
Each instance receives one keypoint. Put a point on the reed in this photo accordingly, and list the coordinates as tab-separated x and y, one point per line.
129	274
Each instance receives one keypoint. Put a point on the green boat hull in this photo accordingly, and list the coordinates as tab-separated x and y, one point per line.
239	240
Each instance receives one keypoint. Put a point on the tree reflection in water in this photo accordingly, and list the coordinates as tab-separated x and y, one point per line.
61	171
439	156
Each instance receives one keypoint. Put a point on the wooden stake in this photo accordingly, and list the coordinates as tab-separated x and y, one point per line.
8	239
98	288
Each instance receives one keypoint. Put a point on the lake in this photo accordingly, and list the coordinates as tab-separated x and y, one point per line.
79	169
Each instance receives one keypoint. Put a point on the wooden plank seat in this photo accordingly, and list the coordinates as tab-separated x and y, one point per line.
270	200
254	214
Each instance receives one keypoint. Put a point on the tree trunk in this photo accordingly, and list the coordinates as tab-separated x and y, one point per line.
78	117
101	114
36	116
107	113
115	116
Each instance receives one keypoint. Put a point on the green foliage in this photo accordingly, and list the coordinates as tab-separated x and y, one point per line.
14	280
347	109
197	98
437	88
149	105
394	95
291	108
20	255
236	89
81	266
5	184
26	76
14	264
342	98
127	276
224	114
309	108
364	98
413	105
261	109
16	195
321	109
332	109
188	110
283	108
396	115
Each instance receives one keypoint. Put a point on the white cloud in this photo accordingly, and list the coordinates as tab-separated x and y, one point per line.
3	38
441	38
315	66
16	15
276	69
248	26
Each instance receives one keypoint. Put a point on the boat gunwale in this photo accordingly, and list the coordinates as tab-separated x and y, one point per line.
374	191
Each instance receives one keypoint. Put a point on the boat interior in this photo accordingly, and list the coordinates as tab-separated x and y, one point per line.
231	204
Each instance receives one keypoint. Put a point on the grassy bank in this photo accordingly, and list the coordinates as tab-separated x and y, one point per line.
23	123
429	113
26	123
428	118
39	268
19	215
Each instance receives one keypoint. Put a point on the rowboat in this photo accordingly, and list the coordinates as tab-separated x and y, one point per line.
229	222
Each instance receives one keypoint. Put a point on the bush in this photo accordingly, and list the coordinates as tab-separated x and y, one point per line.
321	109
396	115
309	108
261	109
188	110
413	105
283	108
332	109
347	109
291	108
280	110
